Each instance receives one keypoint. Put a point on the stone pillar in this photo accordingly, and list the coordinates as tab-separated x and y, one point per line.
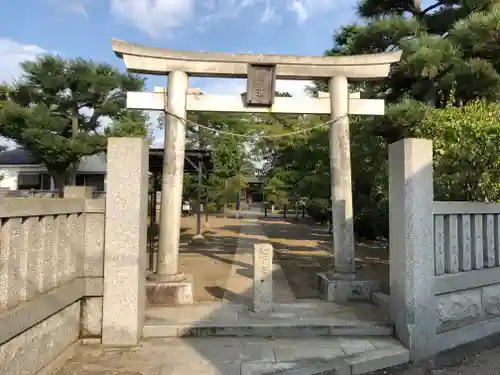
167	286
92	259
93	269
411	241
340	177
125	241
173	173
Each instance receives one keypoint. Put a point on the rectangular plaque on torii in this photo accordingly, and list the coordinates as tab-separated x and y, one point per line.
261	82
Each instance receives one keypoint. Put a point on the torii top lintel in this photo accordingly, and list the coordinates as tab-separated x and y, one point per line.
161	61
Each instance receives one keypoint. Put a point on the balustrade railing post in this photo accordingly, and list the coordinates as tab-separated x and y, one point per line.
411	245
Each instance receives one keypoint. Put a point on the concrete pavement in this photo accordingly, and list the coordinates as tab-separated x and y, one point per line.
487	362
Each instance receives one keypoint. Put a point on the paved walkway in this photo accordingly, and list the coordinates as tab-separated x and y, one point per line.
233	356
485	363
219	356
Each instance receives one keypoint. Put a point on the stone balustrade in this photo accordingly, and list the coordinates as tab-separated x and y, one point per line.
467	271
51	277
42	247
466	236
444	256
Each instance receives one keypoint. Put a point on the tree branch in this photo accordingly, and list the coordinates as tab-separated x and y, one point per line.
94	118
431	7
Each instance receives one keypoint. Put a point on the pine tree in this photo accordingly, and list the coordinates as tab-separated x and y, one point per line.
450	45
56	111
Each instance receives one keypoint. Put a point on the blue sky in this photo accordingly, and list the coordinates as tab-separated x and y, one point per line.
85	28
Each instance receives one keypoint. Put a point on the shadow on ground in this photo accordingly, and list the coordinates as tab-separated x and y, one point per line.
304	249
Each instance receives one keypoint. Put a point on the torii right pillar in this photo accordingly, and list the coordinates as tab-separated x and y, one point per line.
340	284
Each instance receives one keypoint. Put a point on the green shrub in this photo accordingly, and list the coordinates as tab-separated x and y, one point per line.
212	208
317	209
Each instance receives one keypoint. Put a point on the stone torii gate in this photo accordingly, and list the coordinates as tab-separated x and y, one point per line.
261	72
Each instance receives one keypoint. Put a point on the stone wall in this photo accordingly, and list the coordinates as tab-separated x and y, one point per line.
462	308
40	345
468	307
51	278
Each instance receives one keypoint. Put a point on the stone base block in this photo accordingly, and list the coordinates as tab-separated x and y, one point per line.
382	300
332	275
170	291
91	317
345	288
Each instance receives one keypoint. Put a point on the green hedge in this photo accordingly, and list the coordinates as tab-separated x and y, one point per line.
466	143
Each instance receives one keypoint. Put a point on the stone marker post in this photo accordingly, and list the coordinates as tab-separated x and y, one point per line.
411	245
262	277
125	241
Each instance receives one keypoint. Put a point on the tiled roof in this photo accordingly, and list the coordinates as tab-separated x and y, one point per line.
17	157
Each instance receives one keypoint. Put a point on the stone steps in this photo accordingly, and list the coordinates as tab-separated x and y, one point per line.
284	329
293	320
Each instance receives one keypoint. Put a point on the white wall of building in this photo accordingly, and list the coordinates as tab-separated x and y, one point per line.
93	164
90	164
8	177
9	174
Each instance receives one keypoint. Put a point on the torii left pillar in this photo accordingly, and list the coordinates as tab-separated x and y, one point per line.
340	175
167	285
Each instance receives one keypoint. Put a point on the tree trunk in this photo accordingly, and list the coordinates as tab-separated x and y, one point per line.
59	182
71	180
74	132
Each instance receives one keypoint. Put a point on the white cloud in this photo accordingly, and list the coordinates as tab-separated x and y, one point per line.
305	9
301	12
158	18
154	17
77	8
72	6
12	54
161	17
269	13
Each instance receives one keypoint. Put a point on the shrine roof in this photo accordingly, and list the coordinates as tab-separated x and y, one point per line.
192	156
